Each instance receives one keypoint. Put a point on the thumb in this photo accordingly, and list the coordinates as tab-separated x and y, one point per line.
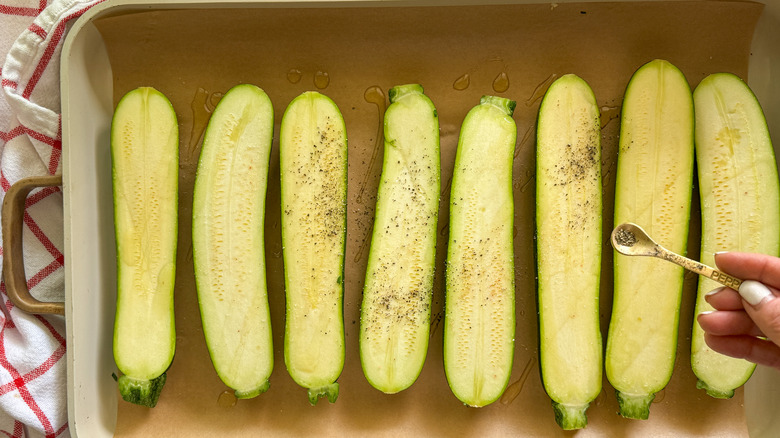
762	307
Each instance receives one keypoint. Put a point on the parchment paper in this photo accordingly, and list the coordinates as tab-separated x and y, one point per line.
354	55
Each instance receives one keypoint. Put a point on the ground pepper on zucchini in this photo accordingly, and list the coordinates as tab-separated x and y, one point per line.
313	163
479	316
568	248
396	308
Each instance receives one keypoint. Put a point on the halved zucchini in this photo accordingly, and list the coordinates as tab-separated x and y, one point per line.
313	161
740	204
653	189
396	309
568	247
228	211
145	174
479	321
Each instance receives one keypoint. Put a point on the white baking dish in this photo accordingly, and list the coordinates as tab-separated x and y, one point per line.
88	86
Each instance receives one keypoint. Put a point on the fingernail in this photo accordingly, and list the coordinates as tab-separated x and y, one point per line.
754	292
714	291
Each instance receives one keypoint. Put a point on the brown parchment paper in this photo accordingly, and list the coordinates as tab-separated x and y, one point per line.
354	55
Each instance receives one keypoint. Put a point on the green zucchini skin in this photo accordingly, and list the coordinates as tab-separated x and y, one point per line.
653	189
479	321
740	203
396	308
141	392
568	244
228	239
313	162
145	166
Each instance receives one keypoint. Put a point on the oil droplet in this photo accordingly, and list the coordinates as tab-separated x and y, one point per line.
444	230
501	82
608	114
200	117
514	389
294	75
362	248
526	136
189	256
514	231
540	90
446	187
226	399
659	396
435	322
605	177
462	82
202	106
375	95
213	101
527	184
277	254
321	79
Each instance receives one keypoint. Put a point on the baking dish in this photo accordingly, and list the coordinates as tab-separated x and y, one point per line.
354	52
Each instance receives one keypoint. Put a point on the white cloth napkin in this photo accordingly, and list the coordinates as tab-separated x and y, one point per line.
32	347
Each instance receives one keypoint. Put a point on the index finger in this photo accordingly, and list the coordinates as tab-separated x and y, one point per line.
750	266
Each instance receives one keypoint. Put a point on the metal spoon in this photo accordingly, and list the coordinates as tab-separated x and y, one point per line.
631	240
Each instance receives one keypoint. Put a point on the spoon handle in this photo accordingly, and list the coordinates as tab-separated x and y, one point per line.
700	268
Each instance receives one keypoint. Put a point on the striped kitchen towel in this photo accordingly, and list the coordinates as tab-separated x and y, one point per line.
32	347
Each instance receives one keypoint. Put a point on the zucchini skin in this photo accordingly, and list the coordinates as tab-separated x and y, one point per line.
738	186
479	318
568	244
144	131
228	239
313	163
141	392
653	189
396	308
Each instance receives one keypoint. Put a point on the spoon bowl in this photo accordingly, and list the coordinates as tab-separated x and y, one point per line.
631	240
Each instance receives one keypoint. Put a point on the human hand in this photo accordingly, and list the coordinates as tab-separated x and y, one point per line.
746	323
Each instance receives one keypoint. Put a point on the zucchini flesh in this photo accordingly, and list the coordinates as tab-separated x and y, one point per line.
145	169
568	247
738	185
653	190
228	239
479	321
313	162
396	309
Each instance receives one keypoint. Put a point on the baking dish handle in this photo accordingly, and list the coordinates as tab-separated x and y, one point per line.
13	261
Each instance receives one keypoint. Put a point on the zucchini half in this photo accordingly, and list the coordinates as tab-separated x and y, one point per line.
313	162
479	318
396	310
228	238
145	175
653	189
568	247
740	204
